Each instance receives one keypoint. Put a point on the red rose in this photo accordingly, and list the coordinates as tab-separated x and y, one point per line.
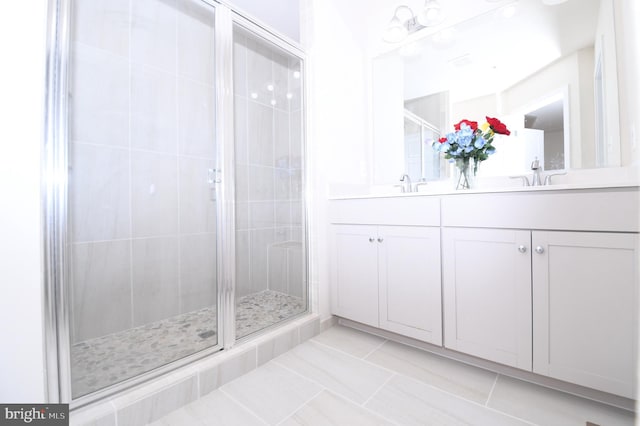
472	124
497	126
442	140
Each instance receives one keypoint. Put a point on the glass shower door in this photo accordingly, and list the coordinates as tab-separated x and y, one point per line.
142	202
271	278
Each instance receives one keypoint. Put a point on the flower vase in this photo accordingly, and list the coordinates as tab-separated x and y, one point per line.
465	172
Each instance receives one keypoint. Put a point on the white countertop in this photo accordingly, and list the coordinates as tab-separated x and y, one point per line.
445	188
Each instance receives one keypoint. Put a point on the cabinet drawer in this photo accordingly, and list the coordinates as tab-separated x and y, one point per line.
614	210
417	211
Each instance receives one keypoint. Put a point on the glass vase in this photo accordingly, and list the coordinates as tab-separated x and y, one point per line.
465	173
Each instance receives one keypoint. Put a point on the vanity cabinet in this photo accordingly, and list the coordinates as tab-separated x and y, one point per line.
560	304
355	273
487	294
585	316
389	277
538	280
385	264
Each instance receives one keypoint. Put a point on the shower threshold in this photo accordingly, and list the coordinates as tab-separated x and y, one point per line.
106	360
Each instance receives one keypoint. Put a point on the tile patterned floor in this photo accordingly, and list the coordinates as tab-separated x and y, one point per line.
346	377
106	360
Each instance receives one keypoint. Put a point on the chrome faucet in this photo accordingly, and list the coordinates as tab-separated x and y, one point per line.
536	179
406	183
417	185
547	178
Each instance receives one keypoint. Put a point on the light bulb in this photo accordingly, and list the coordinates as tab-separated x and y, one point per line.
396	32
431	14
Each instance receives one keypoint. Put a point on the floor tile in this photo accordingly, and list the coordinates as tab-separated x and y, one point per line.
179	417
410	402
452	376
343	374
329	409
218	409
271	392
550	407
354	342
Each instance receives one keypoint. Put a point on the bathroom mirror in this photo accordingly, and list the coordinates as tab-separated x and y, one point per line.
543	70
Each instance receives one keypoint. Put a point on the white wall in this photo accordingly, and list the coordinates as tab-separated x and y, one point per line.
561	73
22	43
338	143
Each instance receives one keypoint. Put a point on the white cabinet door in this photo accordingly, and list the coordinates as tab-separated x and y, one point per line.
410	285
585	296
487	294
355	273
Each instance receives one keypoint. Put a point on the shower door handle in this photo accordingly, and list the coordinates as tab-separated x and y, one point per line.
213	177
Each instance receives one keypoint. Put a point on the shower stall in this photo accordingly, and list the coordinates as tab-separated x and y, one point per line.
175	226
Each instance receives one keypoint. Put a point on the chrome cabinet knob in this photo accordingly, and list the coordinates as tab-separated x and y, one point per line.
539	249
380	239
371	239
522	249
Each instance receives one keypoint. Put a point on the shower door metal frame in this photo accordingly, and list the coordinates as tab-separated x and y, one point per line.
293	49
55	198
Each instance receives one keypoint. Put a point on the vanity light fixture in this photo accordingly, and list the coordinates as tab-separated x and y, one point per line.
398	28
405	22
431	14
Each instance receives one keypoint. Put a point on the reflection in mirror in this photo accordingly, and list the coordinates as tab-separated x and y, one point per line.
548	118
528	67
422	162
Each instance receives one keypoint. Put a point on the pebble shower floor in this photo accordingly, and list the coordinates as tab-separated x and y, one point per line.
106	360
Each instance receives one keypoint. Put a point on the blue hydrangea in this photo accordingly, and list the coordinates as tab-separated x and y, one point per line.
465	136
480	142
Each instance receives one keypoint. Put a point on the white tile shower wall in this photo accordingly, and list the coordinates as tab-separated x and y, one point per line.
142	140
104	268
285	268
268	168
